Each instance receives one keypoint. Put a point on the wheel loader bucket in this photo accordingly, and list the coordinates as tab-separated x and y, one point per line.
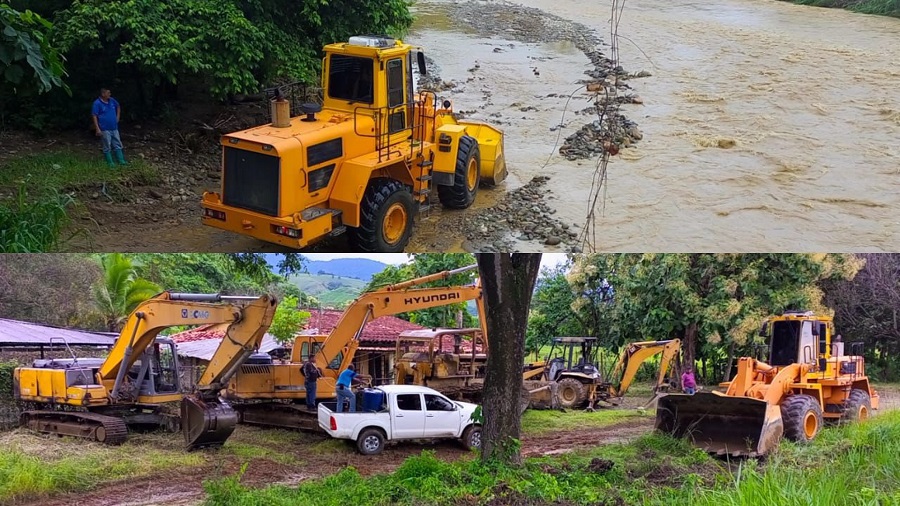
721	424
206	423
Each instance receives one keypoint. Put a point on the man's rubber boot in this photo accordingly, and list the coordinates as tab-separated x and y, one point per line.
109	160
121	157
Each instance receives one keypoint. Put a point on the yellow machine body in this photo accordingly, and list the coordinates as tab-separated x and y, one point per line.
296	181
807	379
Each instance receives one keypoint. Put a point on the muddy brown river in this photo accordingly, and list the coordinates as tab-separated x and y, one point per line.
767	125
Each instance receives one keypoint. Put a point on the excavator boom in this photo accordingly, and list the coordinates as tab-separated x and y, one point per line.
635	354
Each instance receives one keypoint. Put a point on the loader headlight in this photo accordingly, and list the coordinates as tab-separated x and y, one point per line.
212	213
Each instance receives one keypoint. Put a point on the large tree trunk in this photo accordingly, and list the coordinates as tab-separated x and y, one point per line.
689	346
507	282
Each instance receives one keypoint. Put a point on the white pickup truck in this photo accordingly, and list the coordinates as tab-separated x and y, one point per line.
394	412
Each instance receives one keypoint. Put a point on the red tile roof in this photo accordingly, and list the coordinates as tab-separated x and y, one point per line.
379	330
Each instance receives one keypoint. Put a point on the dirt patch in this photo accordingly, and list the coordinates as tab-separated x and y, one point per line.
567	441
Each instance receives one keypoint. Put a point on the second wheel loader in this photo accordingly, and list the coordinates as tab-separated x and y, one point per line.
807	379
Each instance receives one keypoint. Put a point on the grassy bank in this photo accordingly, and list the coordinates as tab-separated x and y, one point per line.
40	189
880	7
850	465
536	422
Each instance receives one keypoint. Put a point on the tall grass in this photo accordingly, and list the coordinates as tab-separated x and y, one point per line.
881	7
33	224
851	465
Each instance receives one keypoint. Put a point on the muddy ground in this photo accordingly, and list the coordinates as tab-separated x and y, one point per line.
314	456
165	215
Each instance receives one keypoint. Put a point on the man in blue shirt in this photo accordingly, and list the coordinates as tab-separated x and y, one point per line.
346	378
106	113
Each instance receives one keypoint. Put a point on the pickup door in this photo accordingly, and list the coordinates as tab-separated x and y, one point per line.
441	417
424	416
408	417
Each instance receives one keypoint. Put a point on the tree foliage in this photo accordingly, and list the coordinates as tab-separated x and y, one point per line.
30	63
121	290
424	264
288	321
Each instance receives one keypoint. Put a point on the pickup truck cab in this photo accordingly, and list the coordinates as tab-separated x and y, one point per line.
395	412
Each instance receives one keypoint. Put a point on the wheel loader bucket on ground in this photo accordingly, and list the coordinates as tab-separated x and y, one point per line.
721	424
206	423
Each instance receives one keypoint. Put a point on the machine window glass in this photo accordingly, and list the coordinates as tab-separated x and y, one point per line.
304	351
350	78
336	363
437	403
409	402
395	82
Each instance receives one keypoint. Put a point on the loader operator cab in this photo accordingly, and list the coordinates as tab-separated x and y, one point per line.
797	337
573	355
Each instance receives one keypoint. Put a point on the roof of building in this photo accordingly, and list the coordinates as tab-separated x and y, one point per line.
380	330
19	333
204	349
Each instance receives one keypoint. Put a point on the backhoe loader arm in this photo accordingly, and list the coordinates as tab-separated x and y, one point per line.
635	354
150	317
241	338
391	300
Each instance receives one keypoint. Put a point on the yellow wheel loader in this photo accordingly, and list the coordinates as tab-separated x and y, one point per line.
364	162
806	380
139	382
274	393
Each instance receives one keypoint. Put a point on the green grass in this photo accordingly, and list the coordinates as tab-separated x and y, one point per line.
33	224
332	291
66	170
881	7
33	467
850	465
273	444
536	422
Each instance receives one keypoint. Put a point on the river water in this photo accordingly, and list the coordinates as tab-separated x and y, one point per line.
767	126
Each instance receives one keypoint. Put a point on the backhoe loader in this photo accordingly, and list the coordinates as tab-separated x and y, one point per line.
807	379
138	383
274	393
573	366
365	162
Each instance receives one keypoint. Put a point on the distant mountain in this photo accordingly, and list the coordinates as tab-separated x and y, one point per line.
359	268
331	290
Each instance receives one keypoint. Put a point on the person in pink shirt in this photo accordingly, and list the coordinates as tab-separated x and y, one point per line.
688	382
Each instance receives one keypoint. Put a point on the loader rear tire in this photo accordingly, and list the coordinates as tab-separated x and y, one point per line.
466	177
385	218
571	393
858	406
802	417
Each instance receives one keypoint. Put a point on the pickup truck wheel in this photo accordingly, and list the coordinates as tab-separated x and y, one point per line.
472	437
370	442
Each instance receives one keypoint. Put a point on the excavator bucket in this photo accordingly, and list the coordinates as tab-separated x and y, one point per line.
721	424
206	423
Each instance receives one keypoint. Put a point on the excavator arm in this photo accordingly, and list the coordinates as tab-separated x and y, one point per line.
634	355
391	300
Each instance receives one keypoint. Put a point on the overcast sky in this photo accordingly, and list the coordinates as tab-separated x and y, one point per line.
547	260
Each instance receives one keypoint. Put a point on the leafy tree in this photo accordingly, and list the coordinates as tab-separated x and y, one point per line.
508	282
205	273
422	265
713	302
551	309
288	321
120	290
31	64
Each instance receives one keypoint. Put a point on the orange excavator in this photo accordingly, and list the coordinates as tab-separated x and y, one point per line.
139	382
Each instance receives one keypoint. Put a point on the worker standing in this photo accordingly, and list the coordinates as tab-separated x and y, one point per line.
688	382
346	378
311	374
106	113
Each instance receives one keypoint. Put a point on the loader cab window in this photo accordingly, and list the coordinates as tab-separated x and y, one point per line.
823	333
395	89
351	78
785	342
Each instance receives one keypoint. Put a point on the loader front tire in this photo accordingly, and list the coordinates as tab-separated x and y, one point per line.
466	177
385	218
802	417
858	406
571	393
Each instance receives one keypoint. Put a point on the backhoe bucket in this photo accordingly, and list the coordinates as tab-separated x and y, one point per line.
541	394
721	424
206	423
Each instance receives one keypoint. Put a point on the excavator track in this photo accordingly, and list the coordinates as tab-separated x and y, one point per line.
279	414
101	428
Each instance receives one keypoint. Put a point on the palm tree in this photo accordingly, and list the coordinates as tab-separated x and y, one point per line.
121	290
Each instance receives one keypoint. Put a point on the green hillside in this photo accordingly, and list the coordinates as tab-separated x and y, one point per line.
332	291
